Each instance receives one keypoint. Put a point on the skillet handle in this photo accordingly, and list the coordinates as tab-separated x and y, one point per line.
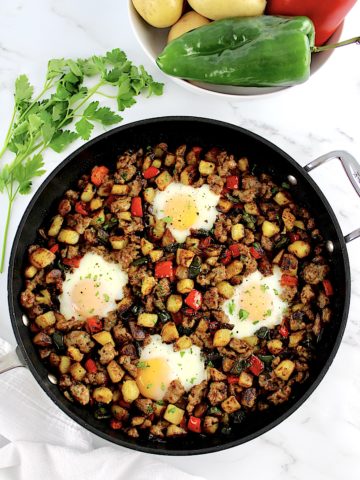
11	360
352	170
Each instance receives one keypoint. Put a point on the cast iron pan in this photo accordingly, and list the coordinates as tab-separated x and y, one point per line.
176	131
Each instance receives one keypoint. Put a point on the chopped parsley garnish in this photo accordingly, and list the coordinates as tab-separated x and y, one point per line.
264	288
167	219
182	354
142	365
172	410
276	291
162	386
231	307
268	313
256	321
106	297
149	385
192	380
243	314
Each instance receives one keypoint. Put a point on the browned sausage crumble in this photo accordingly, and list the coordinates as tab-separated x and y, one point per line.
96	361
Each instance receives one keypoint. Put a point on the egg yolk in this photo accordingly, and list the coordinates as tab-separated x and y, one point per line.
182	211
87	299
153	378
256	303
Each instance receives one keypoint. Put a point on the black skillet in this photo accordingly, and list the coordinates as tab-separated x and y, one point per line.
207	133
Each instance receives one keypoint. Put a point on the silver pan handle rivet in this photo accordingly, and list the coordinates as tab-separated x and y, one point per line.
329	246
52	379
25	320
292	180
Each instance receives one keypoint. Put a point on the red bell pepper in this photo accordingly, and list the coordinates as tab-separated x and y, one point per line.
326	15
72	262
136	207
294	237
227	258
90	366
232	379
235	250
54	248
283	330
164	269
232	182
115	424
194	424
328	288
256	365
80	208
98	175
256	251
94	324
288	280
151	172
205	242
194	299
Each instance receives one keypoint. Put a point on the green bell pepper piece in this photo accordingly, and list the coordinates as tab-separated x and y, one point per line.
259	51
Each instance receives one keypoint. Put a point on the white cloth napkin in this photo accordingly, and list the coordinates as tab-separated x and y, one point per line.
45	444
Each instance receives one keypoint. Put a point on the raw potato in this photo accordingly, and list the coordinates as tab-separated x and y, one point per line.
187	22
217	9
159	13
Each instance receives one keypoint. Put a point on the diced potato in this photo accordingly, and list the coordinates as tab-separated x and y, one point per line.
295	338
185	285
120	413
285	369
41	257
170	159
206	168
75	354
64	365
146	246
234	268
192	243
98	218
211	424
187	176
68	236
281	198
167	238
299	224
126	216
44	298
120	189
169	332
55	226
149	194
174	303
137	421
102	395
183	343
148	283
237	231
212	261
288	219
158	408
147	319
203	325
163	180
174	414
224	205
300	248
253	340
45	320
146	163
275	346
175	431
230	405
251	208
115	372
225	289
77	371
118	242
96	203
222	337
30	271
245	379
130	391
103	338
88	193
156	163
184	257
277	259
155	255
269	229
158	229
243	164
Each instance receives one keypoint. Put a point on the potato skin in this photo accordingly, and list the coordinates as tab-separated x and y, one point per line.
187	22
217	9
159	13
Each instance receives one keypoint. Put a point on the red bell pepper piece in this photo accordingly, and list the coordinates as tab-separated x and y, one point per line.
194	424
94	324
90	366
177	318
80	208
284	331
235	250
194	299
227	258
98	175
164	269
256	365
288	280
72	262
232	379
256	251
124	404
54	248
136	207
115	424
151	172
189	311
205	242
294	237
232	182
197	151
328	288
326	15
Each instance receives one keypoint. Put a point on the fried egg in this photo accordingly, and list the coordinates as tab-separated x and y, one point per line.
159	365
256	303
92	289
184	207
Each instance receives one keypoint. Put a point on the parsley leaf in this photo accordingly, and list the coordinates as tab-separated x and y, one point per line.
23	89
231	307
84	128
243	314
62	139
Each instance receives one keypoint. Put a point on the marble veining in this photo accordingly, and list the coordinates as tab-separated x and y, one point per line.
321	440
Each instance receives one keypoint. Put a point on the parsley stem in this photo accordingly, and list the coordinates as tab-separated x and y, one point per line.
11	198
8	133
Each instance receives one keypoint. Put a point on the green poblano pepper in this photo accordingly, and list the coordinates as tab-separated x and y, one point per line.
251	51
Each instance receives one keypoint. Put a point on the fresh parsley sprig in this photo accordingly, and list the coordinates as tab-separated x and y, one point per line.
65	101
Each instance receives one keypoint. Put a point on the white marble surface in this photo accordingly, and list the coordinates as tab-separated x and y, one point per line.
322	439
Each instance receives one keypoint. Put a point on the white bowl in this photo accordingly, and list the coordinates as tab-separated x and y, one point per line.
153	41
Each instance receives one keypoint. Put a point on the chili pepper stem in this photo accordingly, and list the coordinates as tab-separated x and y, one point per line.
335	45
